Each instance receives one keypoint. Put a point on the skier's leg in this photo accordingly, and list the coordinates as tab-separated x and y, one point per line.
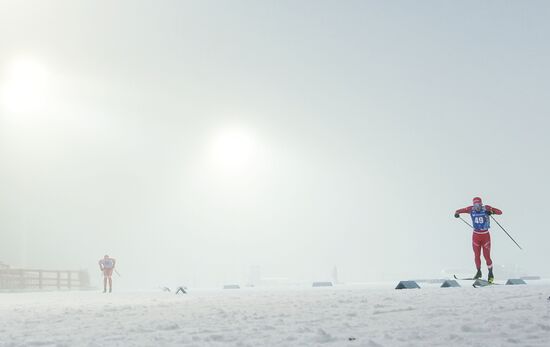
110	274
477	251
487	252
104	283
487	256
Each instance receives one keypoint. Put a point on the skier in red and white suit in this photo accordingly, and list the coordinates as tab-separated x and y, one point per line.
481	239
107	265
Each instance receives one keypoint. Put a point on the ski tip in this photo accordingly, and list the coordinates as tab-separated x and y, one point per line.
465	278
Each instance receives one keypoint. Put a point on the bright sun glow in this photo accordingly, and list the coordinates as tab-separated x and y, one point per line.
234	150
26	87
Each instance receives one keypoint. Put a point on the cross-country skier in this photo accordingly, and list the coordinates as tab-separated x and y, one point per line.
481	239
107	265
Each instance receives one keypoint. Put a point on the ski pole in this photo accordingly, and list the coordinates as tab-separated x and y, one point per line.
468	224
117	273
493	218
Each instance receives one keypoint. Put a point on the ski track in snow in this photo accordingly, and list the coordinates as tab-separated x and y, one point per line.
370	315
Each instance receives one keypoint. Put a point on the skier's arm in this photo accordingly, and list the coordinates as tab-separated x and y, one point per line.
493	210
463	210
100	265
114	263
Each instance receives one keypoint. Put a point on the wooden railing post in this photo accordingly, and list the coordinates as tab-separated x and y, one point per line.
58	280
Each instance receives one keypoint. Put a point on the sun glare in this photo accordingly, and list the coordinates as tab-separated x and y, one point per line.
234	149
25	87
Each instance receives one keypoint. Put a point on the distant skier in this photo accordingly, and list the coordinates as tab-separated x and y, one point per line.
107	265
481	239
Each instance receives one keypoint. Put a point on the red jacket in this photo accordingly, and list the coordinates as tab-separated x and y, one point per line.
469	209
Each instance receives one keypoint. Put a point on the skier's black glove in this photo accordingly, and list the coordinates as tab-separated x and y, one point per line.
457	215
489	212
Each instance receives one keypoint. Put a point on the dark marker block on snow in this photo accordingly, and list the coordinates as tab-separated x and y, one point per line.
515	281
407	285
450	284
322	284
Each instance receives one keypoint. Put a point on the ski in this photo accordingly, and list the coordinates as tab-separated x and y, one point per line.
465	279
483	283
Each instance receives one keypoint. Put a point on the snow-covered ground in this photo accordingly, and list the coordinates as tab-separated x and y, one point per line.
360	315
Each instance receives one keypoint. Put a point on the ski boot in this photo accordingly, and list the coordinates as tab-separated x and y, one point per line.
490	277
478	274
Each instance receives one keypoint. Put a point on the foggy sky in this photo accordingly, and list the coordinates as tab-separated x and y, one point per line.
366	124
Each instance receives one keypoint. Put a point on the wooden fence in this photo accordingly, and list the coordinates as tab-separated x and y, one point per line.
24	279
